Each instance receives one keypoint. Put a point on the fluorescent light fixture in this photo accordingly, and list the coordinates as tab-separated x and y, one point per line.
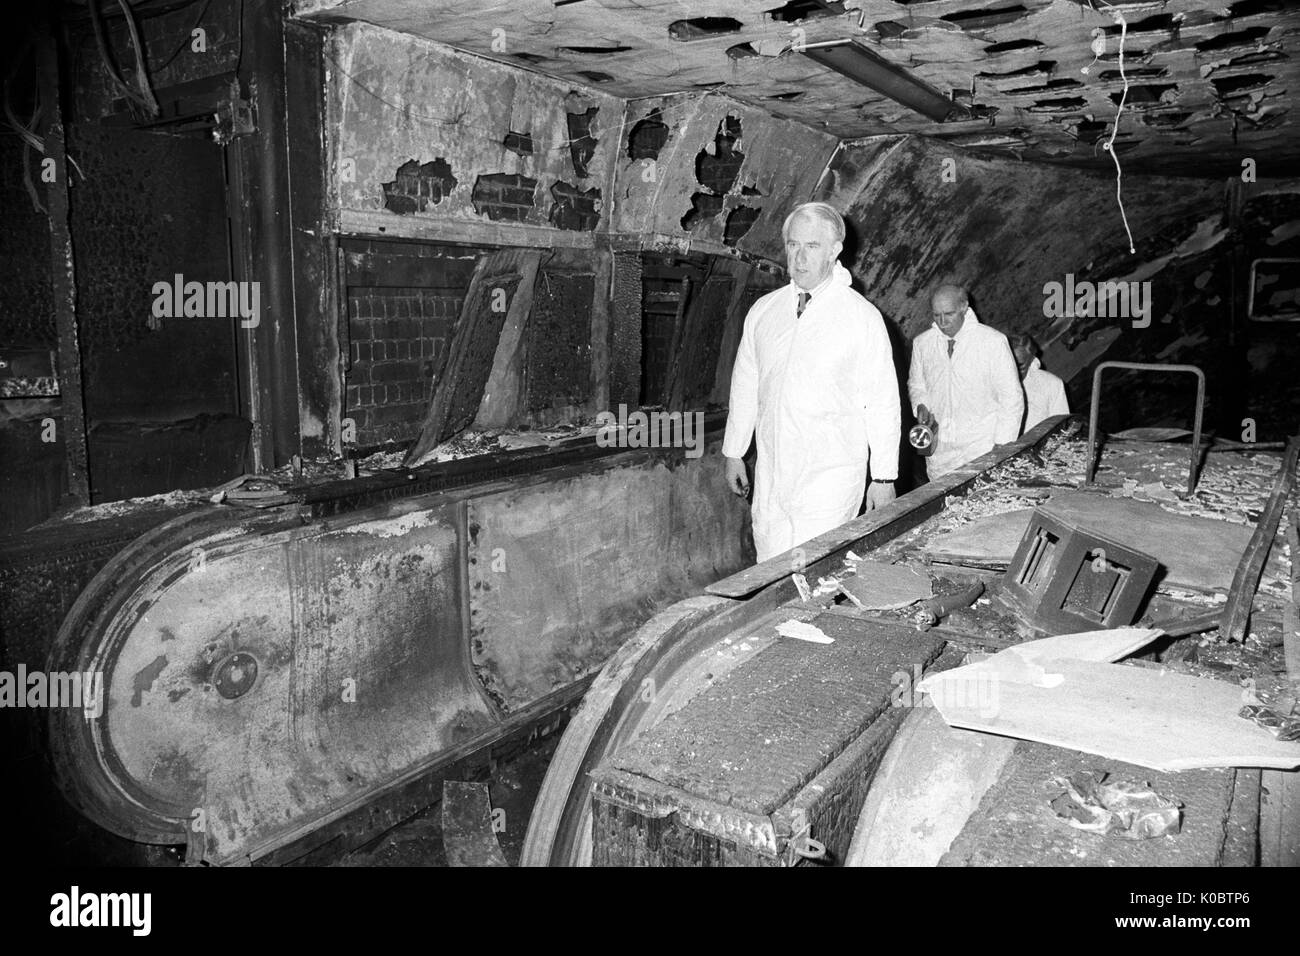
864	66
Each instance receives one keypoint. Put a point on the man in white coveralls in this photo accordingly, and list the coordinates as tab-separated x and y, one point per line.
964	383
814	383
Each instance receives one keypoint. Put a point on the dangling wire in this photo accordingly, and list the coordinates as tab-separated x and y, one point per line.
1110	144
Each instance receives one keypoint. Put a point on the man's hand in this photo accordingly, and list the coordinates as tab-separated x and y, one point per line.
879	494
924	416
737	477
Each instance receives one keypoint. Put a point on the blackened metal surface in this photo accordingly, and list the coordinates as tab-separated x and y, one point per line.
559	339
625	331
696	362
754	738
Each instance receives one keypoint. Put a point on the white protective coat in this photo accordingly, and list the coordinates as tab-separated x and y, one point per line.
820	394
975	394
1044	395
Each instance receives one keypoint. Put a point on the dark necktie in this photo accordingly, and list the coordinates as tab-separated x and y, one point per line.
803	303
952	343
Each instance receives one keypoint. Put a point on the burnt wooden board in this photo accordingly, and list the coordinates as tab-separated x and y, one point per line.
1197	553
459	389
1153	718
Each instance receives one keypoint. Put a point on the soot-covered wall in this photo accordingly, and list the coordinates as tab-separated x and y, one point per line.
423	137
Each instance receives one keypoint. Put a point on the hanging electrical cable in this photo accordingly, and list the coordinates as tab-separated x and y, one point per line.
1109	146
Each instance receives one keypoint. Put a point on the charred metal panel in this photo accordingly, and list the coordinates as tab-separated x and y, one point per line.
554	570
694	366
559	339
625	331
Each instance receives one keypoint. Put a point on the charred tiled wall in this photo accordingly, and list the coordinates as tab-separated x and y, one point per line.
404	303
399	341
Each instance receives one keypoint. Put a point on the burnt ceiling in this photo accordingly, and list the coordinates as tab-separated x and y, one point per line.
1209	81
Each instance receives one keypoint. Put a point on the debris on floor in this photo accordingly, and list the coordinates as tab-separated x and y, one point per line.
1121	807
468	834
804	632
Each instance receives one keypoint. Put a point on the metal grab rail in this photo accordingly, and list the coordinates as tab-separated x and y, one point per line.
1094	451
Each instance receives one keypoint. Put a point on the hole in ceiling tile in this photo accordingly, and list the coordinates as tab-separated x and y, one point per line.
741	50
1144	94
989	17
595	76
791	95
1235	85
596	50
750	191
797	10
1166	120
888	29
697	28
1236	38
1248	8
1089	131
1062	104
1259	56
530	58
1160	23
1007	46
1048	87
1042	66
1140	73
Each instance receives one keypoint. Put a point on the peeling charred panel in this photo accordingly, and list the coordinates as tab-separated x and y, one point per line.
696	362
704	207
559	340
575	208
647	137
416	187
717	169
519	143
1226	41
582	145
738	223
505	196
625	331
461	390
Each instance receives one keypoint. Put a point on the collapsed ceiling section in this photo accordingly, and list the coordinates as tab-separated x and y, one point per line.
1205	83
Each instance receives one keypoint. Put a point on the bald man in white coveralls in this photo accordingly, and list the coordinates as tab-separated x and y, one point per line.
963	377
814	383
